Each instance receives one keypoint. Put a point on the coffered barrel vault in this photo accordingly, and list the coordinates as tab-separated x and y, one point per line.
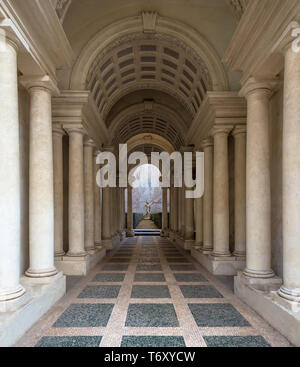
219	77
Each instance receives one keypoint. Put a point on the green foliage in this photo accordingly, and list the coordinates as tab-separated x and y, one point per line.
157	219
137	218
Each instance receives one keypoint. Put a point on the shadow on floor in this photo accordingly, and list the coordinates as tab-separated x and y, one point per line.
228	281
72	281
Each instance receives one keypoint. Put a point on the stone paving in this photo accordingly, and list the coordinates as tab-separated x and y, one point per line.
150	293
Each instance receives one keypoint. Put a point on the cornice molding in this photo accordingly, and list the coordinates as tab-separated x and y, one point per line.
76	107
251	49
47	42
218	108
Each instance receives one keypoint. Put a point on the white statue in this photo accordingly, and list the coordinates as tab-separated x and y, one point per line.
148	210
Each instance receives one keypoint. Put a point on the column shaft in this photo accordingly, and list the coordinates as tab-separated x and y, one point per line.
76	193
129	212
164	209
175	209
258	192
182	208
208	196
189	229
199	221
41	190
89	182
240	191
106	215
10	185
291	177
221	193
58	134
97	206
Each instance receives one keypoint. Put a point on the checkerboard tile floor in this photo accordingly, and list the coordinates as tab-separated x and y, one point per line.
150	293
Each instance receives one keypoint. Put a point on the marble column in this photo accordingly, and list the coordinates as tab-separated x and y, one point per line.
10	184
129	213
112	212
239	134
207	146
189	228
175	210
221	192
171	211
41	182
122	210
57	136
76	192
199	221
182	208
179	211
258	190
89	182
97	205
106	214
291	177
118	210
164	210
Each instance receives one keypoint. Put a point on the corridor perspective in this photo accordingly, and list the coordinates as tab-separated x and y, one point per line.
150	293
150	173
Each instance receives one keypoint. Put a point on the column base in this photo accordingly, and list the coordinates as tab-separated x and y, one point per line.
80	265
76	254
289	294
218	265
240	254
12	295
259	274
185	244
167	232
59	254
31	273
91	251
262	295
111	243
98	244
41	294
122	235
172	235
207	250
163	233
129	233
